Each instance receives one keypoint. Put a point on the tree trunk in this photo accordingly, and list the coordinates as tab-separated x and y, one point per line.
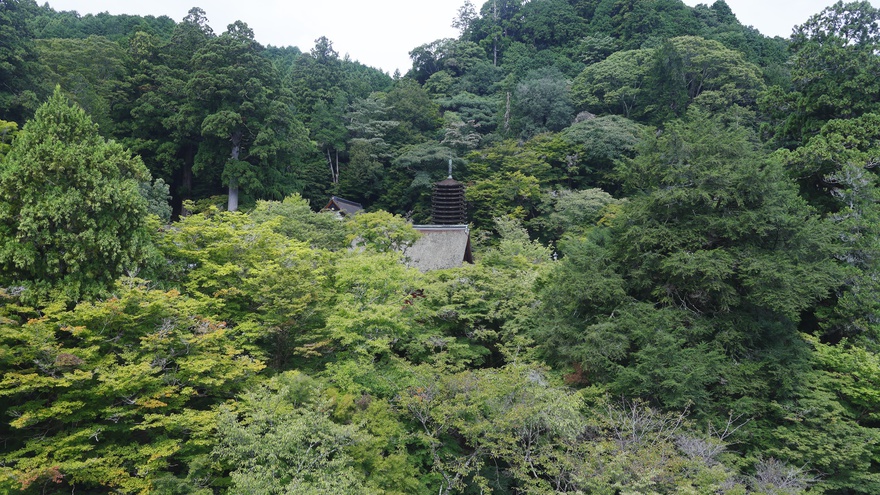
186	179
495	38
334	170
232	204
507	114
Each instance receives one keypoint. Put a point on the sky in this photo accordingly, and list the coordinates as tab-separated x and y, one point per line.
381	33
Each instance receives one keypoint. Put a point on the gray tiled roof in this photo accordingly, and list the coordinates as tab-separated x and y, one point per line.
343	205
441	246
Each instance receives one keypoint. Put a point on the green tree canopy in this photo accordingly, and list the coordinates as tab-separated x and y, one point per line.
542	102
594	145
19	69
713	260
90	70
835	170
251	134
8	131
835	69
71	217
699	234
111	396
616	84
692	69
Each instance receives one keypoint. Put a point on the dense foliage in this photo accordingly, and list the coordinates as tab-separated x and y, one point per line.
675	221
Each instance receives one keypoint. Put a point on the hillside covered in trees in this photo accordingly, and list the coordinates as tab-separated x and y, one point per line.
675	222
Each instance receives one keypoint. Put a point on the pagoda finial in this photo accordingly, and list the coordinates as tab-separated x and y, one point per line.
450	168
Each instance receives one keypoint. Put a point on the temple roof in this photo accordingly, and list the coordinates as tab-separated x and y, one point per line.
441	246
343	206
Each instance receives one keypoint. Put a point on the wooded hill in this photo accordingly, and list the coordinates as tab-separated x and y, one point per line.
675	225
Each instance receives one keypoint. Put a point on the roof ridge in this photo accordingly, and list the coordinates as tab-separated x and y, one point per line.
337	198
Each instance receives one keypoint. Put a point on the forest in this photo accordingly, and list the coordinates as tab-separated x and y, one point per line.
675	226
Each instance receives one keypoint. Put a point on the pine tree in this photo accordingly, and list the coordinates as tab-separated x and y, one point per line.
71	217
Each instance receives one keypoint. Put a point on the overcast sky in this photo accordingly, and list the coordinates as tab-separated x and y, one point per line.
380	33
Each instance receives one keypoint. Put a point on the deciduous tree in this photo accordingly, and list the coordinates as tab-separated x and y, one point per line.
114	395
835	70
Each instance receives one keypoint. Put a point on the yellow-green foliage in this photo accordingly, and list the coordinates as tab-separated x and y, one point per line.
250	275
8	130
113	393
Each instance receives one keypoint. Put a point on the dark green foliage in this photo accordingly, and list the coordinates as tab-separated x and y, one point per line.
720	226
834	169
453	56
326	91
616	85
251	136
576	329
411	106
316	76
712	261
482	80
20	89
320	75
157	117
834	69
638	22
723	293
89	70
720	24
695	70
427	162
496	27
550	23
595	144
49	23
542	102
660	83
472	108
